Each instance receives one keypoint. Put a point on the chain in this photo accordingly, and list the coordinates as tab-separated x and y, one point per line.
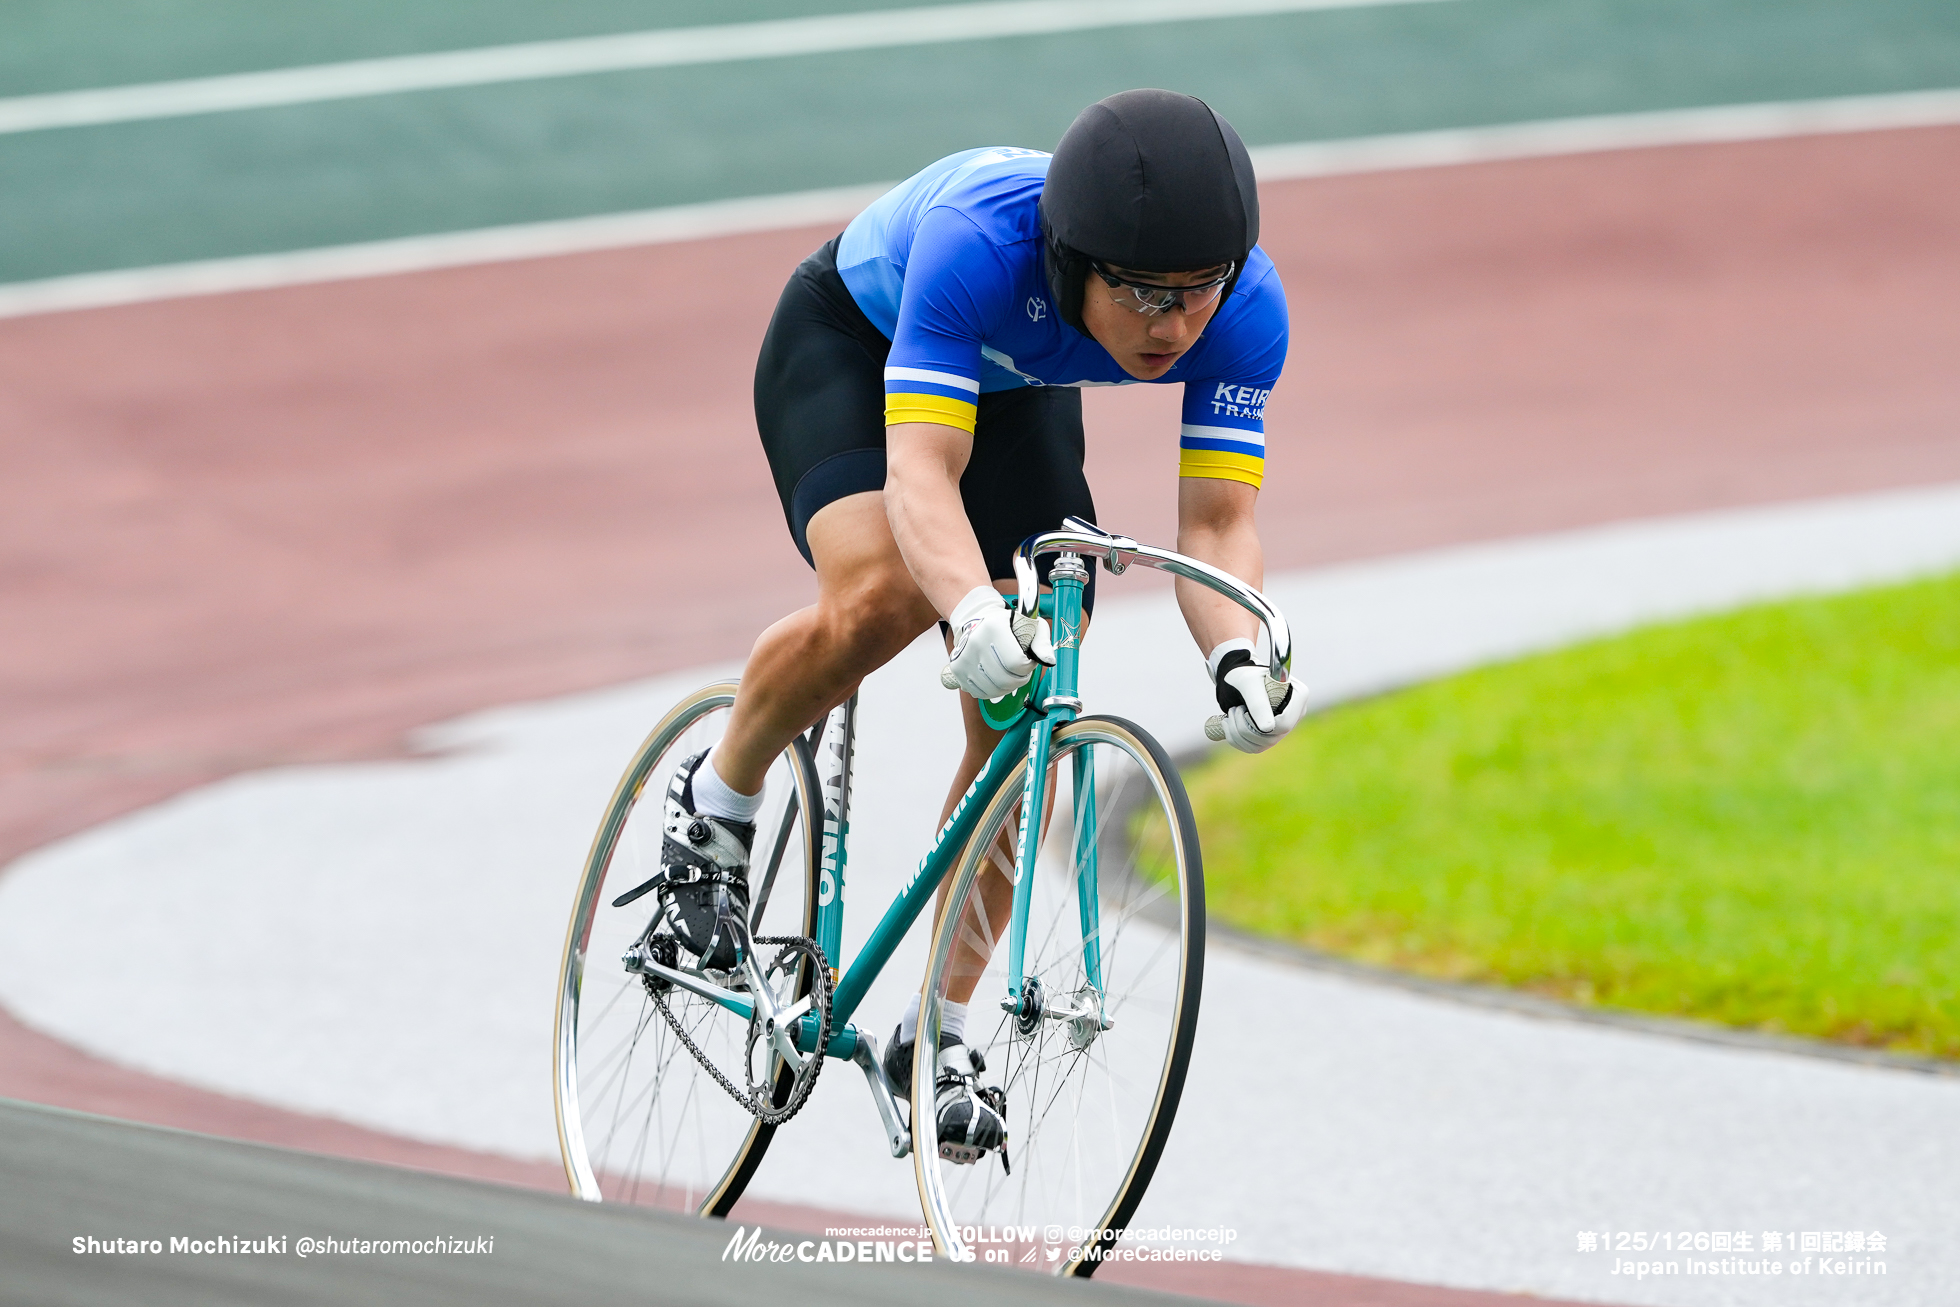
800	1091
660	1001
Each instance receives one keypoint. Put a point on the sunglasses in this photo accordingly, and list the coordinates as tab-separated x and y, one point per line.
1151	299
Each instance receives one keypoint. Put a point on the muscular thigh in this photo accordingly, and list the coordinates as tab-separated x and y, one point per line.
862	579
820	397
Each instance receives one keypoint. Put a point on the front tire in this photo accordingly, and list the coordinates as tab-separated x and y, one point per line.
1090	1096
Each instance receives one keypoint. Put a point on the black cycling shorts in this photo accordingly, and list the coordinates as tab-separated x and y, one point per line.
820	405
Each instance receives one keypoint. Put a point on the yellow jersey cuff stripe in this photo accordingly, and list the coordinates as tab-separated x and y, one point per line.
942	409
1252	479
1221	465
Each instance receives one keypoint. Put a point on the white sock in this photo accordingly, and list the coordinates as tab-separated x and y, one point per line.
714	798
952	1020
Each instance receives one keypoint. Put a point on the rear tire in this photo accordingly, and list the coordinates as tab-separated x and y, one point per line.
639	1119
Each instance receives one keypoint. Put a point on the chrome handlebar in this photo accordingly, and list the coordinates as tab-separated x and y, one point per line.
1118	552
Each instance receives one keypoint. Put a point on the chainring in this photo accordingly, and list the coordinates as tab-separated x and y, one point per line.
776	1106
794	1094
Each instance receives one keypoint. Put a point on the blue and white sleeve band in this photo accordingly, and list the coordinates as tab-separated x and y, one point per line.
925	395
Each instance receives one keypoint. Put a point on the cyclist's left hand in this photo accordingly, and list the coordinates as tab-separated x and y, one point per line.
1258	710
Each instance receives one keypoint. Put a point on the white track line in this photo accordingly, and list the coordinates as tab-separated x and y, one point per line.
838	205
1624	131
531	240
667	48
379	941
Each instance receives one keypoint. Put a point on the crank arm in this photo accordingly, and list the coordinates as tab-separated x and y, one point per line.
732	922
780	1021
693	984
866	1056
783	1023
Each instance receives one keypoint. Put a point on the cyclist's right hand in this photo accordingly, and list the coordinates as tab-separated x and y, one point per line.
995	648
1258	710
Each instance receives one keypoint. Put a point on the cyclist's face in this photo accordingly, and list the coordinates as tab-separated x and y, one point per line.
1145	346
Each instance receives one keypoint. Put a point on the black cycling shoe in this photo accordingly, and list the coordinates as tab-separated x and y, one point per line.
700	859
972	1117
898	1061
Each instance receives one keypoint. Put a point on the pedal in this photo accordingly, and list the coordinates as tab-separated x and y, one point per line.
662	949
962	1154
996	1097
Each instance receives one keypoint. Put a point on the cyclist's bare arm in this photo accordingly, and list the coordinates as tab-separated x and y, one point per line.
1215	525
923	464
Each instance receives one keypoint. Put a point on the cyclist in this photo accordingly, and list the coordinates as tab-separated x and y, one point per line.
918	394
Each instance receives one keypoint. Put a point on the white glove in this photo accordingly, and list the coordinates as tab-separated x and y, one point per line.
1257	710
995	648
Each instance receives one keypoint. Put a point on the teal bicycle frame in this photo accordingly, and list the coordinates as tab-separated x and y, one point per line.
1029	731
1028	720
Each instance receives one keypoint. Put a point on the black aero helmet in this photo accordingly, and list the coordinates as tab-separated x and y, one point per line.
1152	181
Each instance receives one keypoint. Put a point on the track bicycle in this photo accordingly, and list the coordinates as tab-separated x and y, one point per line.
671	1078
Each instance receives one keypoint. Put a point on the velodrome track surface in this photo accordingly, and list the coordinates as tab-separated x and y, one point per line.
1420	1137
142	1183
294	525
217	602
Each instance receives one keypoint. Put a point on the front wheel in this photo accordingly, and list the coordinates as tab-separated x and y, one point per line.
1093	1059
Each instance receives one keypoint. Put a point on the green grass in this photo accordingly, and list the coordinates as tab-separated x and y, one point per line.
1751	819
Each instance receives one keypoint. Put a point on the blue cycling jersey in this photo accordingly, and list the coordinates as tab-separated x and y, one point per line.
949	265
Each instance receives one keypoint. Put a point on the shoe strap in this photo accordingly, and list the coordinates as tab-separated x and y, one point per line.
722	850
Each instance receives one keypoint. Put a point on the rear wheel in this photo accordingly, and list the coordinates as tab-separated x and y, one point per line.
1093	1063
640	1118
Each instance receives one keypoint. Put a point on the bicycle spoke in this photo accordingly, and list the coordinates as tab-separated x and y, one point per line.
626	1064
